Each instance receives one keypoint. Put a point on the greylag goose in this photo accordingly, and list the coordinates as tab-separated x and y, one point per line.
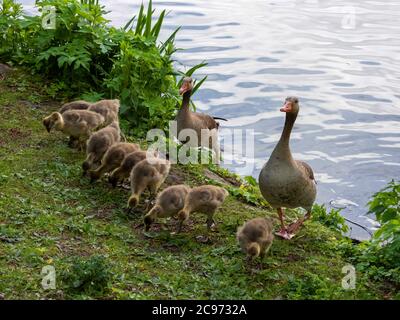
285	182
150	174
113	158
169	202
205	199
187	119
124	170
78	124
75	105
98	144
255	237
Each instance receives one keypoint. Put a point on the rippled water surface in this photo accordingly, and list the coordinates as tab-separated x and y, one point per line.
345	68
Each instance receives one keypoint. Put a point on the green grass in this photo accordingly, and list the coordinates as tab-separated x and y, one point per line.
50	215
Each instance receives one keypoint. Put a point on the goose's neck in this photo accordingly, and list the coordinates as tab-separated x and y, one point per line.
59	125
282	148
186	102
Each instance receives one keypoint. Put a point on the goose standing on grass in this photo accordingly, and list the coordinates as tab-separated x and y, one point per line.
285	182
187	119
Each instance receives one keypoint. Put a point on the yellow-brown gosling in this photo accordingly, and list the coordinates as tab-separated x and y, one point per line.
169	202
129	162
204	199
75	105
150	174
76	123
255	237
97	145
109	109
113	158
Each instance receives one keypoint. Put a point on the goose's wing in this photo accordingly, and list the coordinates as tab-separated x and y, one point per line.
306	167
206	120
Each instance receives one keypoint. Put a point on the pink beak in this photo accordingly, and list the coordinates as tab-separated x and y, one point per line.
183	89
287	107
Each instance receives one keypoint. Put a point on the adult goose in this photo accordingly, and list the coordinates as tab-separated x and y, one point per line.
187	119
285	182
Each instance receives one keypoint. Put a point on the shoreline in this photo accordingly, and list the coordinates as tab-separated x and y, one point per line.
53	216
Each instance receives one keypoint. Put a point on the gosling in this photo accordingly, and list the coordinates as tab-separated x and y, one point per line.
204	199
129	162
78	124
97	145
109	109
169	202
113	158
75	105
147	174
255	237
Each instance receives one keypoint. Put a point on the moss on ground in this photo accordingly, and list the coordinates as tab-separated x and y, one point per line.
50	215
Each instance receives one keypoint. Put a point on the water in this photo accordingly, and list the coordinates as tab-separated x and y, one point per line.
341	58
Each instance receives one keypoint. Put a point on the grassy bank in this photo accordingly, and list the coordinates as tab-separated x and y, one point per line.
50	215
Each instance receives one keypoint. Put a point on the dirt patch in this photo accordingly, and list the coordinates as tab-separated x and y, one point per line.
4	70
72	246
175	176
29	104
293	258
102	213
171	247
224	180
16	133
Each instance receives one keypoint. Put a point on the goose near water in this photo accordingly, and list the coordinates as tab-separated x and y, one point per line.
285	182
198	122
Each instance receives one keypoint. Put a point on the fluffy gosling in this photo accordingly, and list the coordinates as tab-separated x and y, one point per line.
112	158
169	202
255	237
109	109
78	124
204	199
129	162
75	105
147	174
97	145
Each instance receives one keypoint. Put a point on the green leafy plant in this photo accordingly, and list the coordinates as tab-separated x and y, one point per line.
311	286
84	55
332	219
382	256
145	81
90	276
385	204
249	192
10	28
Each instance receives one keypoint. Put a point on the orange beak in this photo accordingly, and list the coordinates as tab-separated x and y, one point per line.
184	88
287	107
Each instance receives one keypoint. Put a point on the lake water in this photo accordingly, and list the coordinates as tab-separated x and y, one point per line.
341	58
